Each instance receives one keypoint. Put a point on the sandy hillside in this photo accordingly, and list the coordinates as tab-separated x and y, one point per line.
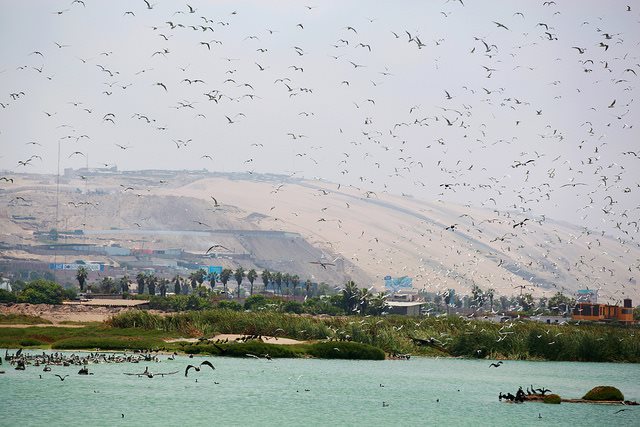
367	235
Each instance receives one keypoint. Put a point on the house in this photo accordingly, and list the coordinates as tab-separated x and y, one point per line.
405	308
604	312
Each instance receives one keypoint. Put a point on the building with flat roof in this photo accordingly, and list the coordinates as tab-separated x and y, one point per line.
103	302
604	312
405	308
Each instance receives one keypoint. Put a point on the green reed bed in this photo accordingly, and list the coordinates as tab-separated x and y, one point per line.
22	319
88	337
444	335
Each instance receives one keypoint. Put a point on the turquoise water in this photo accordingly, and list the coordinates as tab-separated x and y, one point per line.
340	393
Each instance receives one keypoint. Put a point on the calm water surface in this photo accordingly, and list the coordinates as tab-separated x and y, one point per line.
419	392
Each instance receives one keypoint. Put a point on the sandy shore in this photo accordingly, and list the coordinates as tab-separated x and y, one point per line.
63	313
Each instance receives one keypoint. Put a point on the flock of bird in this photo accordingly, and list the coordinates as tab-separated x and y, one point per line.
21	360
526	115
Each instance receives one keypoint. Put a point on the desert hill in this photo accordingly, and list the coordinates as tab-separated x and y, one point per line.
283	223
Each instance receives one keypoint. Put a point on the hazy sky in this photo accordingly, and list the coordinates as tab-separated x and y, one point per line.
467	111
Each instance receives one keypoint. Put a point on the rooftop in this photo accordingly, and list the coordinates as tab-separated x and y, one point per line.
109	302
404	304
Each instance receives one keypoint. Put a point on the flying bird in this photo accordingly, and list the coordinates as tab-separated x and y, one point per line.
197	368
500	25
217	246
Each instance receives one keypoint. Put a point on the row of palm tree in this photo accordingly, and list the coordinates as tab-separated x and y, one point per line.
150	281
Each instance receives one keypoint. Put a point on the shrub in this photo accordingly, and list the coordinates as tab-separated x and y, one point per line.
256	302
476	345
41	292
604	392
230	305
69	294
345	350
22	319
254	347
553	399
6	296
292	307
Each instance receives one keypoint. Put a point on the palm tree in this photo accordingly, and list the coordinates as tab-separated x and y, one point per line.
278	279
307	286
239	275
225	275
490	293
295	281
350	297
266	278
201	275
124	284
252	276
447	299
152	280
163	287
81	276
140	279
478	295
176	284
286	279
193	279
378	304
212	277
364	299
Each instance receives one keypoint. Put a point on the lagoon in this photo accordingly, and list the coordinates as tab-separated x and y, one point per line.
290	392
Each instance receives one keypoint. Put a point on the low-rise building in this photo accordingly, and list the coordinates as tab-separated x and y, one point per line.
604	312
405	308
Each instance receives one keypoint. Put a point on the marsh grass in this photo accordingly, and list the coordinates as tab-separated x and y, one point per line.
454	335
253	347
22	319
89	337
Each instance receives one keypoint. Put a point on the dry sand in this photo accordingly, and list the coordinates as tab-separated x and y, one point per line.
62	313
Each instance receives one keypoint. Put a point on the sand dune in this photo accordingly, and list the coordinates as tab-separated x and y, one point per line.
371	235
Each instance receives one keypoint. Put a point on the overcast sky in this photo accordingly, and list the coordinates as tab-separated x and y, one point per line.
502	104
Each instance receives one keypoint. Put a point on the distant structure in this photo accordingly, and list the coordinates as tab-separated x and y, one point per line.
405	308
396	283
604	312
587	295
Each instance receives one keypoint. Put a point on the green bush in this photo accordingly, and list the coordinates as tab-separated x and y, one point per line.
41	292
553	399
69	294
292	307
604	392
22	319
230	305
478	344
257	302
253	347
345	350
7	297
